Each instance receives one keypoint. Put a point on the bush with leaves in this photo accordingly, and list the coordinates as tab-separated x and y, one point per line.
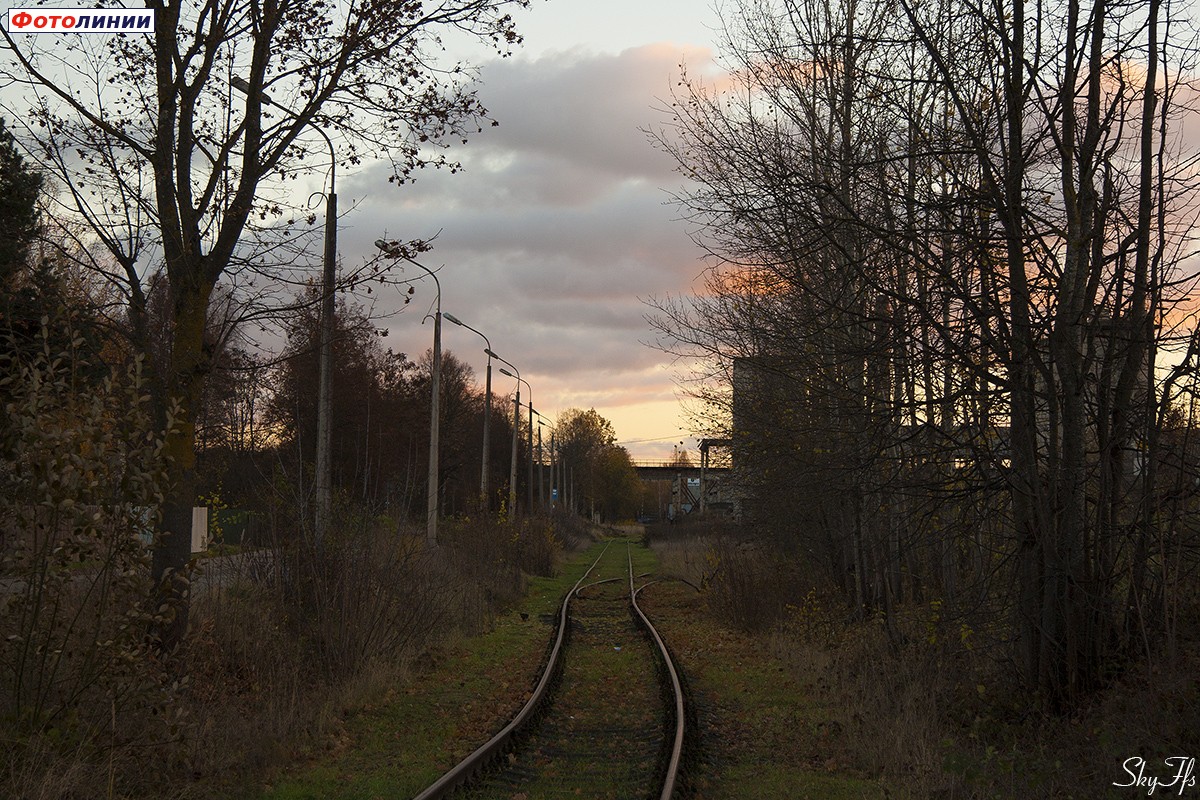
80	475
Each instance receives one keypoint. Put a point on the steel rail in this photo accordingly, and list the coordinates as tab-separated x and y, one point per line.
677	747
461	772
581	589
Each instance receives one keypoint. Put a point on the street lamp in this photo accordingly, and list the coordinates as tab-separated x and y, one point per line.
324	478
487	410
435	385
543	422
531	413
512	474
521	380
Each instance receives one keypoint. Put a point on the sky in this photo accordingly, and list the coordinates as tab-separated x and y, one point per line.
560	227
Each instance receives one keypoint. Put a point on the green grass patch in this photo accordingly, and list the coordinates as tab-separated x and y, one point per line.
774	780
461	693
762	735
600	736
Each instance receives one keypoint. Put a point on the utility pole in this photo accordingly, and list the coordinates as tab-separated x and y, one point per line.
512	475
323	480
531	506
541	471
435	385
512	483
324	477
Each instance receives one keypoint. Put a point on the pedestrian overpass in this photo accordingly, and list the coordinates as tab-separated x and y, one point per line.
694	487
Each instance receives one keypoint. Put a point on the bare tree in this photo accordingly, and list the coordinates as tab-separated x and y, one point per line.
942	235
171	167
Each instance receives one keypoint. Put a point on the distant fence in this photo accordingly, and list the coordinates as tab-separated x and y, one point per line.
232	526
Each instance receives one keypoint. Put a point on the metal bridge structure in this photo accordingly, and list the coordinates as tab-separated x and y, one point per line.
694	487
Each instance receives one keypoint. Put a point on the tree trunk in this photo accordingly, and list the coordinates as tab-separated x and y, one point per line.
183	387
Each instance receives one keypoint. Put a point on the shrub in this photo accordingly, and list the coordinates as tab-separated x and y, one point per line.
747	587
80	477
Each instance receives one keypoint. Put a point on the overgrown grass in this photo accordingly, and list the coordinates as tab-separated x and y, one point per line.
918	700
761	732
459	693
291	644
286	660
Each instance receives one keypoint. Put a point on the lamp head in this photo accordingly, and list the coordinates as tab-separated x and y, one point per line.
243	86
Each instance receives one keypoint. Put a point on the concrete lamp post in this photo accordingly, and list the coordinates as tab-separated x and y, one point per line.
323	488
487	410
512	467
529	405
544	423
435	381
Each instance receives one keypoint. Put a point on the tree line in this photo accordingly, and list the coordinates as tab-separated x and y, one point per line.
948	320
87	683
259	419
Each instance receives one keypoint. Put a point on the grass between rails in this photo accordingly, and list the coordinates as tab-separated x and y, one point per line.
463	691
602	733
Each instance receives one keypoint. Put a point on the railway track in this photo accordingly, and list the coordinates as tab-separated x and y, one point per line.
614	725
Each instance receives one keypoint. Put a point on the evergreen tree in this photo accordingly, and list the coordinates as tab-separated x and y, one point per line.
20	186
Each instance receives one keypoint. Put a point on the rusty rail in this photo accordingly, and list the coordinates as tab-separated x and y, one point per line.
444	786
461	772
676	754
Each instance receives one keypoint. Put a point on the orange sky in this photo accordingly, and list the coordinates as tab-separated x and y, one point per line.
558	229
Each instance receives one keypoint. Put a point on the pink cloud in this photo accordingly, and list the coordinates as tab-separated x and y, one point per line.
555	232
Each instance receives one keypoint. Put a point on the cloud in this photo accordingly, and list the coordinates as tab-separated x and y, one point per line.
585	109
556	229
